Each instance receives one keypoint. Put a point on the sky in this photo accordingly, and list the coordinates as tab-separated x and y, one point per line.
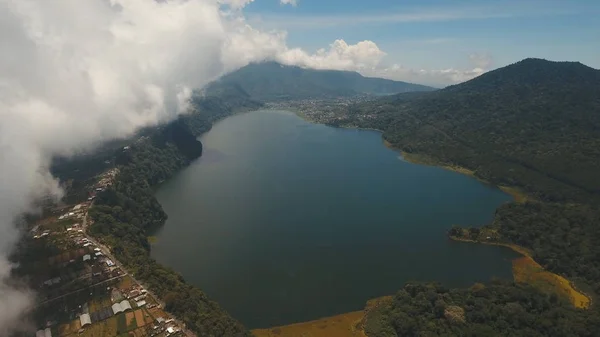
430	36
76	73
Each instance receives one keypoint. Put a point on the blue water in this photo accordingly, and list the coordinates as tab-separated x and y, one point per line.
284	221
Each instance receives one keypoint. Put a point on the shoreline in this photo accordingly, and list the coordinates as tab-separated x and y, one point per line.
575	294
422	159
350	324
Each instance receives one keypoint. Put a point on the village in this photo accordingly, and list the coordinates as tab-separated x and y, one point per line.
82	290
332	111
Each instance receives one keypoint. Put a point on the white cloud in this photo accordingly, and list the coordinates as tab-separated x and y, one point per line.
361	56
75	73
235	4
293	3
432	77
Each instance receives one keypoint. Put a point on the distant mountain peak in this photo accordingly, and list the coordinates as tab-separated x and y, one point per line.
270	80
532	73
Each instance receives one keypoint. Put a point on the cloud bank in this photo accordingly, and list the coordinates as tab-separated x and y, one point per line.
76	73
293	3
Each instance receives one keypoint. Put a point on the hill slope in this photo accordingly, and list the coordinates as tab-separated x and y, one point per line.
271	81
534	124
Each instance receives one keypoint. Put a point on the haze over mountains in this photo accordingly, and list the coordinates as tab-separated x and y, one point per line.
269	81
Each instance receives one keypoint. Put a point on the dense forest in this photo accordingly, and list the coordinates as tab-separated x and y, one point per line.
496	309
535	126
271	81
125	212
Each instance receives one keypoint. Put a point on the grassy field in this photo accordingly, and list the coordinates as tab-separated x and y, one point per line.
130	321
99	303
139	317
516	193
526	270
70	328
104	328
344	325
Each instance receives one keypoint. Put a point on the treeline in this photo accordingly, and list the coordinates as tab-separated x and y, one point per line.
497	309
561	237
125	212
534	125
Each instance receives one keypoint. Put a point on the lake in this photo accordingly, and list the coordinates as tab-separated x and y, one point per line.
283	221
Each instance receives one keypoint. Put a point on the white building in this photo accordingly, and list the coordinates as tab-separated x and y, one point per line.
121	307
85	320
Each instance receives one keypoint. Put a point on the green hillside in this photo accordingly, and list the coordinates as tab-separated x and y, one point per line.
271	81
534	124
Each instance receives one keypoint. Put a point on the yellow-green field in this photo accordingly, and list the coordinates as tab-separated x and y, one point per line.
69	328
526	270
108	327
345	325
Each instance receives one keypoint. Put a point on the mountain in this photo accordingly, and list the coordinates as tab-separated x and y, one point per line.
269	81
534	124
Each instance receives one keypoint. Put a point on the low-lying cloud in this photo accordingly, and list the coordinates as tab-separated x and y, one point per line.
76	73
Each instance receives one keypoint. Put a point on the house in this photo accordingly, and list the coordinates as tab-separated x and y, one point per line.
125	305
87	257
109	263
85	320
134	293
141	303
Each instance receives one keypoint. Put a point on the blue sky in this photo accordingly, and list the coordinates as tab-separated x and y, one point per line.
436	34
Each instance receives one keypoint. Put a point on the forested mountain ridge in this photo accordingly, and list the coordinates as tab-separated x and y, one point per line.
534	124
271	81
126	212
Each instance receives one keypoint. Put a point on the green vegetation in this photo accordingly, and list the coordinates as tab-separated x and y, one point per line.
533	126
125	212
271	81
498	309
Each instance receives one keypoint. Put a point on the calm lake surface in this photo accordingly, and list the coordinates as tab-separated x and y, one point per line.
283	221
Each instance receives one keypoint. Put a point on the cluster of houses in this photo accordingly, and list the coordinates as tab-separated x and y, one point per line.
137	294
77	212
167	325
